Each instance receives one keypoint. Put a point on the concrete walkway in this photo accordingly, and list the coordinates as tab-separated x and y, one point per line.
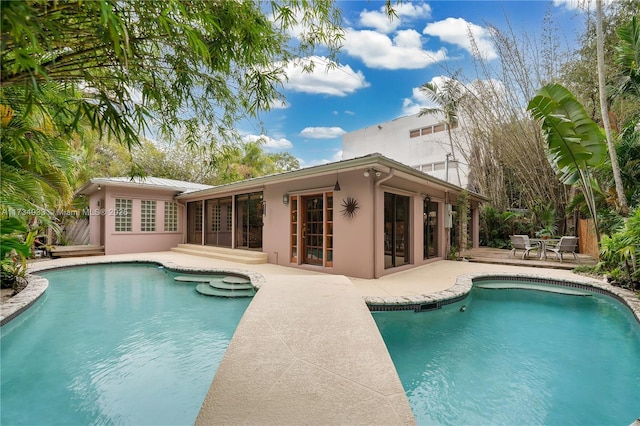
307	349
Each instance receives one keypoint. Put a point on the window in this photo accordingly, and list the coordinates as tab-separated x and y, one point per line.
123	215
294	228
438	128
170	216
215	218
430	228
229	217
328	215
414	133
147	216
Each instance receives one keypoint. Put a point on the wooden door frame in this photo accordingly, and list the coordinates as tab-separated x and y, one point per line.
303	205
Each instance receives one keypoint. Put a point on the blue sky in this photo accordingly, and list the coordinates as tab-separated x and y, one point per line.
382	63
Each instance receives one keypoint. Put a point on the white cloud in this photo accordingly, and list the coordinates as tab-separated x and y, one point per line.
380	21
460	32
337	156
581	5
340	80
477	88
268	143
415	103
322	132
569	4
379	51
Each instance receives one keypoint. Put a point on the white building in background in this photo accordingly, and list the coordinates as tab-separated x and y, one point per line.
420	142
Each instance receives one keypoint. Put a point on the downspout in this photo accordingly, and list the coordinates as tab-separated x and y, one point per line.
375	220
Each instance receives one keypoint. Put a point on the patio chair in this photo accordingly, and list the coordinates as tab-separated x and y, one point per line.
565	245
521	242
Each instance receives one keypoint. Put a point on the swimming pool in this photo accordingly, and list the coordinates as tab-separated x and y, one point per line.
114	344
516	356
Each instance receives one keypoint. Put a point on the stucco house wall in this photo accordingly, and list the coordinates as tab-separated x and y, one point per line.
361	242
136	240
353	237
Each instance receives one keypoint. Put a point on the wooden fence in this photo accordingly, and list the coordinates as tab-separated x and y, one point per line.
76	232
587	243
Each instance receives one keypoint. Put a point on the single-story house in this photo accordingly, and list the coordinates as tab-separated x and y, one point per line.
363	217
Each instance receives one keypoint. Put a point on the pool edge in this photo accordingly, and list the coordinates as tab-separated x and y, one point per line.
37	285
464	283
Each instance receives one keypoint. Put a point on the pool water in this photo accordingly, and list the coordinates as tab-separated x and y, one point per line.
114	344
518	357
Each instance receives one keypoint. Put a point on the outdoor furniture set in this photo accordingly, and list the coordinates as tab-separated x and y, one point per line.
557	246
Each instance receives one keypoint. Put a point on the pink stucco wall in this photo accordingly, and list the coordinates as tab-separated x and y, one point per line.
358	242
353	238
134	241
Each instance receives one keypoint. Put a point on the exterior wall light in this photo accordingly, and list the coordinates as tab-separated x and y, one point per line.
285	199
378	174
366	173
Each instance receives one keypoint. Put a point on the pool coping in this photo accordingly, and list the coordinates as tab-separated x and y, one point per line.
37	285
464	283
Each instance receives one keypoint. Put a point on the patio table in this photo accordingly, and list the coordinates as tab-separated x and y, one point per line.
542	244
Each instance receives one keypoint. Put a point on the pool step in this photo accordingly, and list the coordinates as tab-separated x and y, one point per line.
229	286
192	279
207	290
530	286
252	257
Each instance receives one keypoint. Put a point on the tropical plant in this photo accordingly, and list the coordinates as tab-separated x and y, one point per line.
575	143
496	227
14	250
447	97
621	253
138	61
544	216
628	57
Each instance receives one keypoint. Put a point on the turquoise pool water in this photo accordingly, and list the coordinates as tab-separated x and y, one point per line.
518	357
114	344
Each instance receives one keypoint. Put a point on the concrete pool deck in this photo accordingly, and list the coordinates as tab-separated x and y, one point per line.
307	349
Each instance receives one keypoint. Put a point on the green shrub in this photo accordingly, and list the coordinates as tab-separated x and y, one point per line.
620	253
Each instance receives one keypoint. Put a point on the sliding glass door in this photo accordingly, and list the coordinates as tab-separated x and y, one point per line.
396	230
219	221
194	222
249	211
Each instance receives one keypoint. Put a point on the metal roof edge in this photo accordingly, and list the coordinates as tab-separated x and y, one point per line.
323	169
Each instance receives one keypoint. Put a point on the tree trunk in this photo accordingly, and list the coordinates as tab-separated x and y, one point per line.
615	167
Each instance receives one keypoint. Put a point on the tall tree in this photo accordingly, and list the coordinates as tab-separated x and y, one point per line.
447	97
193	66
615	166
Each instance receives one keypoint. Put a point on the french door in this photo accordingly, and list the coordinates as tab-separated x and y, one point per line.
313	229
